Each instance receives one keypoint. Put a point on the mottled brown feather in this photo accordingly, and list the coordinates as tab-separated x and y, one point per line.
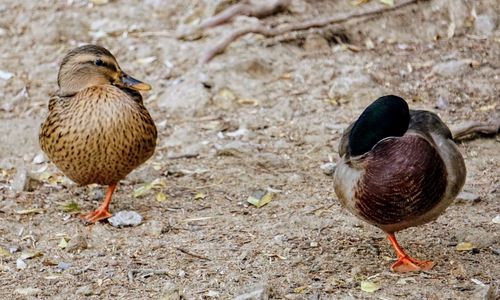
99	135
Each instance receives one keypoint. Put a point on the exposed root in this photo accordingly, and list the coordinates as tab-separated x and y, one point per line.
246	8
271	31
464	130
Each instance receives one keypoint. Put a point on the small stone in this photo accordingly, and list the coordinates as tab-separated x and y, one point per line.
441	103
125	218
484	25
4	75
328	168
29	291
315	42
453	68
85	290
39	158
496	219
213	294
171	292
77	243
468	197
63	266
259	292
21	180
20	264
96	194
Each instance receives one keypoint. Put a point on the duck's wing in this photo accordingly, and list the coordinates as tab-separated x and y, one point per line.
426	122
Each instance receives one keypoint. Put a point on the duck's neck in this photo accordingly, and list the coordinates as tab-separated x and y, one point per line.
387	116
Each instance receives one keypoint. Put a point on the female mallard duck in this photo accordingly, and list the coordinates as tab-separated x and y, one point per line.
399	168
97	129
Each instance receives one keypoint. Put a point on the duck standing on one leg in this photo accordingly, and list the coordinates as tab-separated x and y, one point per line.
399	168
97	129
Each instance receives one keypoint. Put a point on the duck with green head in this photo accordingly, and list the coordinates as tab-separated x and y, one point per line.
399	168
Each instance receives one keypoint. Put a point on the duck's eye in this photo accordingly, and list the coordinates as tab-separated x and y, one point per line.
99	62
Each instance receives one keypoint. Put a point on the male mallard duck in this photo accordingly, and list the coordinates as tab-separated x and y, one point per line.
399	168
97	129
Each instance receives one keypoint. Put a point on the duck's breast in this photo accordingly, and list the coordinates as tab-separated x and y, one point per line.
404	179
99	136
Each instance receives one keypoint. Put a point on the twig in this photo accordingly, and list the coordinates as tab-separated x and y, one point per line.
192	254
245	8
146	273
186	155
220	46
490	127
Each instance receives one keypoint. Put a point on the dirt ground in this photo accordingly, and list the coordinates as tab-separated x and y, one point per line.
264	115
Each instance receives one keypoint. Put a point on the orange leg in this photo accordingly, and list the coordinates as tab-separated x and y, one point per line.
405	263
102	212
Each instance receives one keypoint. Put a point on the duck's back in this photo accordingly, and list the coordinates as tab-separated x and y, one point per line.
99	135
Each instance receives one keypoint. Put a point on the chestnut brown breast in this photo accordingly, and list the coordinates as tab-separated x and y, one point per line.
405	177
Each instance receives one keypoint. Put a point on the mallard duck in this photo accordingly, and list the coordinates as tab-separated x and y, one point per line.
97	129
399	168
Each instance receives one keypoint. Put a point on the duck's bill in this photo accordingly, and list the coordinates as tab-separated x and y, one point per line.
134	84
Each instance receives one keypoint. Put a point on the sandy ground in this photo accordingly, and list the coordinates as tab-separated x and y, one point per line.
266	114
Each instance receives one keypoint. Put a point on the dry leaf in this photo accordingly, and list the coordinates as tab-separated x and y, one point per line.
30	255
29	211
199	196
4	252
369	286
71	207
260	198
142	190
387	2
465	246
63	243
160	197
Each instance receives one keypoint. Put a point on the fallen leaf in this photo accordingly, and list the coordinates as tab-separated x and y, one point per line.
464	246
260	198
199	196
29	211
369	286
71	207
4	252
30	255
387	2
300	289
63	243
142	190
160	197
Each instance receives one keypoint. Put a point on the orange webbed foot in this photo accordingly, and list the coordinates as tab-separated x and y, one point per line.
408	264
405	263
96	216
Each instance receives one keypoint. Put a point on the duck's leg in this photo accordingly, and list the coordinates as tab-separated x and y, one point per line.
102	212
405	263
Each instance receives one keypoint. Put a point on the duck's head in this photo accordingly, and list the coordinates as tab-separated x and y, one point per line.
92	65
387	116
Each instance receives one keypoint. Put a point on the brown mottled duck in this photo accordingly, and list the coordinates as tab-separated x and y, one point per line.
97	129
399	168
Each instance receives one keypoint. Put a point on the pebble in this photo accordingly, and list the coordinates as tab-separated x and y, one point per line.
125	218
21	180
453	68
170	292
77	243
85	290
29	291
328	168
468	197
259	292
63	266
484	25
5	75
20	264
39	158
441	103
496	219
